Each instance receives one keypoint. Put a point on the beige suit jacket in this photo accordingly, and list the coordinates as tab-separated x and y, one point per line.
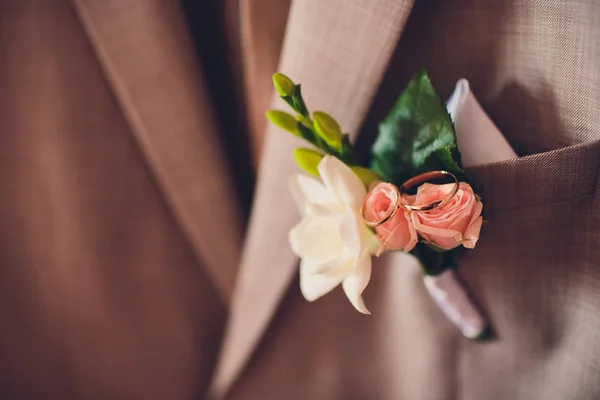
124	268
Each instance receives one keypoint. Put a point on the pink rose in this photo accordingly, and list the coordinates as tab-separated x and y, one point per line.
397	232
454	223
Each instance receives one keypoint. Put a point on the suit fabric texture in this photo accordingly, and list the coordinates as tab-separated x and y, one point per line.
133	267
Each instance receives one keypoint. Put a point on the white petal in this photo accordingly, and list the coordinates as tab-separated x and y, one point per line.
356	236
342	181
350	232
314	286
356	282
306	190
316	238
332	266
323	210
369	240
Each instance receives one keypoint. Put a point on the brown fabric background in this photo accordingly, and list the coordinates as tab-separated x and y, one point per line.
101	294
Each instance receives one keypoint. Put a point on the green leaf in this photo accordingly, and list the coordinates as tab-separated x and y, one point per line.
413	136
284	85
308	160
328	129
443	159
283	120
366	175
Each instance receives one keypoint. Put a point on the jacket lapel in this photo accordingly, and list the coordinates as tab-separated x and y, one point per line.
148	58
339	51
262	28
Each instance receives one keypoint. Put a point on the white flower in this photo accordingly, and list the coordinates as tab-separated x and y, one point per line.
334	244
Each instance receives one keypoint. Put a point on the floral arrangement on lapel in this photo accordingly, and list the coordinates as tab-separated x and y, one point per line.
414	197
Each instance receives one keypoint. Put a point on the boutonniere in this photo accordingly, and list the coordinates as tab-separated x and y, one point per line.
413	196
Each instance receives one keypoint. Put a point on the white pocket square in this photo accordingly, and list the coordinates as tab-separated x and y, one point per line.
478	139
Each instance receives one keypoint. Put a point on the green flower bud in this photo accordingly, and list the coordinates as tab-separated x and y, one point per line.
328	129
283	84
283	120
308	160
366	175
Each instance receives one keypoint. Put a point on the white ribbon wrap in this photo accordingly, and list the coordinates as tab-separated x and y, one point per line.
452	298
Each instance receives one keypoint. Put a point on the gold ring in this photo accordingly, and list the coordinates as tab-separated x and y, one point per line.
423	178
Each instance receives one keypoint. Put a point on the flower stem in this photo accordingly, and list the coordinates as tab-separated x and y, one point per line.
433	261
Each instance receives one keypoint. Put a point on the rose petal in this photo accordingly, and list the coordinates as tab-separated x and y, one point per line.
477	211
459	224
471	235
429	192
445	238
314	286
414	237
356	282
398	233
342	181
432	230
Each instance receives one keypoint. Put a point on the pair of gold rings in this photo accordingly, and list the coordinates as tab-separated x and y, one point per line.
397	195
